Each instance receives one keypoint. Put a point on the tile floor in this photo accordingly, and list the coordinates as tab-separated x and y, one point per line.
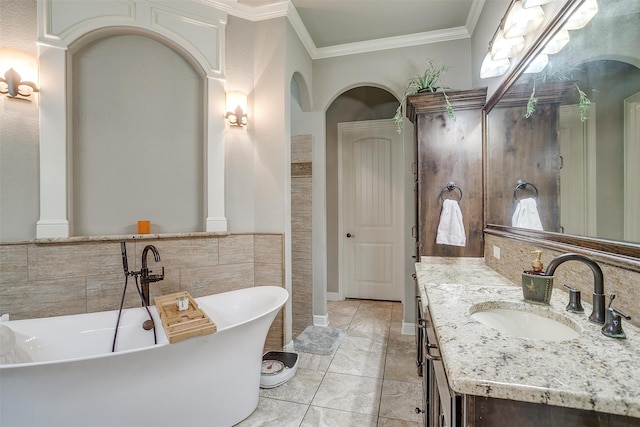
371	380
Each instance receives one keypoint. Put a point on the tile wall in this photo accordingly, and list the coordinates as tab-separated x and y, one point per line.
301	233
85	275
516	256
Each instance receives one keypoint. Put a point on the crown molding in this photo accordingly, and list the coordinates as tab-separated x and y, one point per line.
251	13
392	42
301	30
474	15
286	8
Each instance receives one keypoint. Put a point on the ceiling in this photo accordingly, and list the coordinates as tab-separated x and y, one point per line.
340	27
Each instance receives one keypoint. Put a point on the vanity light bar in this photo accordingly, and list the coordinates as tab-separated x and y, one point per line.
556	44
502	47
521	21
491	68
582	16
532	3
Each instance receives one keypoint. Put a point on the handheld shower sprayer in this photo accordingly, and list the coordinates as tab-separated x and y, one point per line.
125	262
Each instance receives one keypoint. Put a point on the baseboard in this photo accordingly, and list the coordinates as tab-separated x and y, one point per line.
334	296
321	320
408	328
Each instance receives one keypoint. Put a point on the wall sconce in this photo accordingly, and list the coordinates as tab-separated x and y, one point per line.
236	109
18	73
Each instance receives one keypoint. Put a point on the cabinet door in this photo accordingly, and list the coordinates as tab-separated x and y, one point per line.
448	151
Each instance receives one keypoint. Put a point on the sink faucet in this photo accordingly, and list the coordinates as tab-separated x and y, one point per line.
597	315
145	276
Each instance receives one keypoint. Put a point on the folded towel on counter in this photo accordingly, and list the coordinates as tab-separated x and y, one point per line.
451	228
526	215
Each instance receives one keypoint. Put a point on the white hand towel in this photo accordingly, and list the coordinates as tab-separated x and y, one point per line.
451	228
526	215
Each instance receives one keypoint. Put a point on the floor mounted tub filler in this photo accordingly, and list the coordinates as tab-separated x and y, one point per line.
73	378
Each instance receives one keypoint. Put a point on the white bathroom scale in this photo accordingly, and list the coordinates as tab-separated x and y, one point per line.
278	367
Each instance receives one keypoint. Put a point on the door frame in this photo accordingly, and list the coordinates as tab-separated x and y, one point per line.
400	237
631	173
571	114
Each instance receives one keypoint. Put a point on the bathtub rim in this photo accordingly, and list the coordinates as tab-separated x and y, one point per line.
161	335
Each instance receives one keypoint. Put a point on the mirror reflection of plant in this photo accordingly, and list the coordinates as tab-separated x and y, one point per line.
427	82
531	103
583	103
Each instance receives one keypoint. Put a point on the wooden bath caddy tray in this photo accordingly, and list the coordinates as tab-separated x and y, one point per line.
180	325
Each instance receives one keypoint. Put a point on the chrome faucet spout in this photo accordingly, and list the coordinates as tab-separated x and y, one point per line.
597	315
145	276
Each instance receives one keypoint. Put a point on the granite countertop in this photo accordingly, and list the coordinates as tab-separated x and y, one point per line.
591	372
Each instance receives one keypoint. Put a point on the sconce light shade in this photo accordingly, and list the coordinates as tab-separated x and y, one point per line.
18	73
236	109
491	68
582	16
521	21
502	47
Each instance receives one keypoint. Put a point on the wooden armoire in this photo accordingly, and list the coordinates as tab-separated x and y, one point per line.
448	151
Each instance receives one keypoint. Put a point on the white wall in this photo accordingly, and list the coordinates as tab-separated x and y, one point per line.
390	69
239	142
19	133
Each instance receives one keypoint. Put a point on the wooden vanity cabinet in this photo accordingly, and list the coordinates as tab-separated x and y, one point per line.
443	407
448	150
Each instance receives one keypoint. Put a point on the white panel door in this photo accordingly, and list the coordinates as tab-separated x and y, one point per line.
370	181
631	171
578	172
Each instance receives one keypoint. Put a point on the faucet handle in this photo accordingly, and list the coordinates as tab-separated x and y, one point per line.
574	305
613	321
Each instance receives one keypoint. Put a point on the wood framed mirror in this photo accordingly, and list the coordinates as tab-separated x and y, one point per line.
580	161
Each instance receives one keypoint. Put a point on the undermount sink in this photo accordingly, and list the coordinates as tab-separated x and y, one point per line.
525	321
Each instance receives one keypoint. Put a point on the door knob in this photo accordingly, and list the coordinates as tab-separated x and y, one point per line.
351	235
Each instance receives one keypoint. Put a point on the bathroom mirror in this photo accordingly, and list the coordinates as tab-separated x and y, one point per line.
583	163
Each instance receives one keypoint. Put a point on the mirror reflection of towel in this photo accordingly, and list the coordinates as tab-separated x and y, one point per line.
526	215
451	228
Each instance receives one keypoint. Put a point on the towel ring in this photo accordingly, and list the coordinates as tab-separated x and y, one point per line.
450	187
521	184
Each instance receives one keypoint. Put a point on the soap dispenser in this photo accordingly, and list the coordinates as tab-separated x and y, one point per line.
536	286
536	264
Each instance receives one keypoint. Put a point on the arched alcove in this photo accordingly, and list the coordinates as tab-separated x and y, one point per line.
62	27
300	92
355	104
136	121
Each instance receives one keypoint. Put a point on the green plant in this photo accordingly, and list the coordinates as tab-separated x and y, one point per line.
531	103
428	81
583	105
583	102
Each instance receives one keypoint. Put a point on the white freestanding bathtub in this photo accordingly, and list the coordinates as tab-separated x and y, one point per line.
75	380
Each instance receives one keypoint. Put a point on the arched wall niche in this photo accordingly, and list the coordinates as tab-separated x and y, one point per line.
137	139
187	27
302	93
